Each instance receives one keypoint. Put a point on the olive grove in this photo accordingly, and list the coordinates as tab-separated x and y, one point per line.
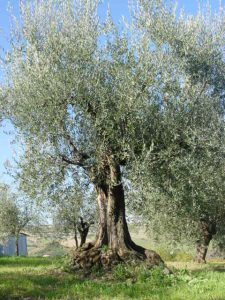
93	100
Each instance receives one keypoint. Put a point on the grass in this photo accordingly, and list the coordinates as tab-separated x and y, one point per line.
44	278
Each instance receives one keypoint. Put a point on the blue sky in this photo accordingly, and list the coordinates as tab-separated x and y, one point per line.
118	8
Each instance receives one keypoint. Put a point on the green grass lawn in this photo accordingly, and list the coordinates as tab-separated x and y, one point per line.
44	278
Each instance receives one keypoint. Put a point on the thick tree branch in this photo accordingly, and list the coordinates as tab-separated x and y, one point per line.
71	162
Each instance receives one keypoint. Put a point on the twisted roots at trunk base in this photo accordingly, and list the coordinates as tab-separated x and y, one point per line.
90	256
113	229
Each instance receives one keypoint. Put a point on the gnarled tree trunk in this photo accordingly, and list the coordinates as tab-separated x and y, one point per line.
113	242
208	229
117	229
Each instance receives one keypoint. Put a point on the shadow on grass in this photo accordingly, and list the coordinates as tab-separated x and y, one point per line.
32	286
67	286
220	269
212	267
43	283
51	283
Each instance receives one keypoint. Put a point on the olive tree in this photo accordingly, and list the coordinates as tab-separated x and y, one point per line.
15	214
92	100
184	199
190	211
74	213
186	177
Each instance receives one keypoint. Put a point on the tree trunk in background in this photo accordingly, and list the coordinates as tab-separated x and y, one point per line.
208	229
17	244
83	228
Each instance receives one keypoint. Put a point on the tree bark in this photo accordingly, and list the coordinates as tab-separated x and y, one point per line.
113	230
75	236
208	229
102	194
119	239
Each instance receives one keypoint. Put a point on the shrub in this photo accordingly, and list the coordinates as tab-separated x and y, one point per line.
141	273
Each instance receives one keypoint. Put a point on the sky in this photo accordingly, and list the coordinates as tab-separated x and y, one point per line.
118	8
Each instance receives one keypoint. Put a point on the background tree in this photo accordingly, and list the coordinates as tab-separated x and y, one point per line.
175	219
75	213
184	167
15	214
92	100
